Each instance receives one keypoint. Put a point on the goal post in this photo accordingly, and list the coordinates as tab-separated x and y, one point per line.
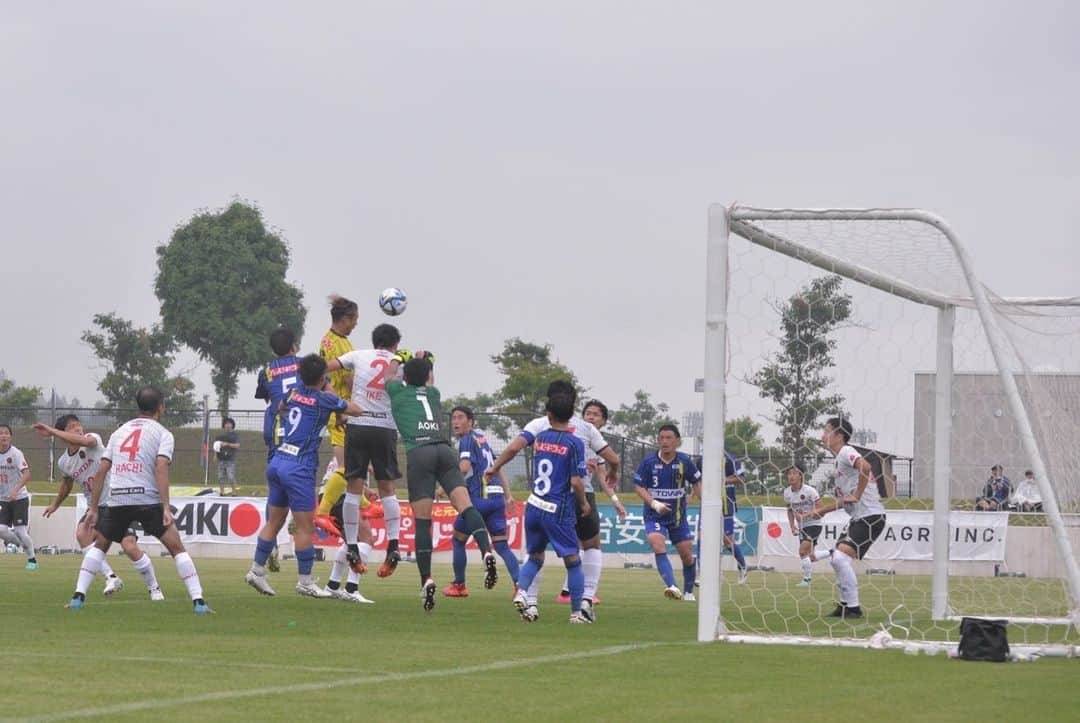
910	256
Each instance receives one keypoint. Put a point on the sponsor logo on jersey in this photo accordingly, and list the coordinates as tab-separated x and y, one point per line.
553	448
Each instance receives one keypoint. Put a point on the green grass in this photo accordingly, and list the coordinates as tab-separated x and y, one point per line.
468	660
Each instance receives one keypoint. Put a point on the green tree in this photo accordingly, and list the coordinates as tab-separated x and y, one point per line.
796	377
642	419
17	402
221	283
742	438
527	370
135	357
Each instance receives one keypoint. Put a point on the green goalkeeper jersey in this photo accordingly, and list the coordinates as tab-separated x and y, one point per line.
416	412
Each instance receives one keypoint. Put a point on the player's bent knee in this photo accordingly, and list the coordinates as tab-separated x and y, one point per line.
571	560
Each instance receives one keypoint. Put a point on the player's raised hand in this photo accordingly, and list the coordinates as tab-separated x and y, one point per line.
402	355
43	429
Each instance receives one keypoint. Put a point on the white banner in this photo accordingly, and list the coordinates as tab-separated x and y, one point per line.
228	520
908	535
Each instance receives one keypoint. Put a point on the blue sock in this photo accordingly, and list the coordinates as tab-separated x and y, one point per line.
663	566
460	560
263	548
689	573
305	560
739	559
528	572
508	556
575	580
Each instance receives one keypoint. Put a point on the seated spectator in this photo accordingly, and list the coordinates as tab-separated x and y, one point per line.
996	493
1027	497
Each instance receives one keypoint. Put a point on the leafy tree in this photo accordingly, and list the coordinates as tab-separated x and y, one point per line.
742	438
527	369
134	357
642	419
796	377
17	402
221	283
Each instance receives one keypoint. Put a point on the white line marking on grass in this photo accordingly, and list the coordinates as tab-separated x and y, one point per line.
144	705
296	668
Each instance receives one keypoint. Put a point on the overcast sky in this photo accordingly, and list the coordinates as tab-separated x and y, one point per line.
540	170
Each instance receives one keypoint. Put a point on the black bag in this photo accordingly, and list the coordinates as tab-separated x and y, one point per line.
982	639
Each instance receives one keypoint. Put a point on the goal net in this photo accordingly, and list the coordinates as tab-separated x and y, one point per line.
875	316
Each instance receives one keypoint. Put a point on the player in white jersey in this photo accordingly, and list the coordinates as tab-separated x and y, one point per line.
78	464
14	497
371	440
134	468
855	492
801	499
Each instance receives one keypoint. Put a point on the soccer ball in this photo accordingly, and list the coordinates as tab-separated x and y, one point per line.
392	301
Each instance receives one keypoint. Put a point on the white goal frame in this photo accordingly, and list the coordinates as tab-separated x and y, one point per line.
722	222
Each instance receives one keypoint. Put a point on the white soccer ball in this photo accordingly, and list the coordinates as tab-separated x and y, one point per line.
392	301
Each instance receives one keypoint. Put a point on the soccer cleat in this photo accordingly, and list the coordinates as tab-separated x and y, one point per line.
838	611
521	602
259	583
113	584
853	612
326	524
689	597
455	589
75	603
310	589
743	575
673	592
201	608
530	614
491	572
563	597
805	582
31	565
390	564
356	563
373	511
427	591
587	611
156	595
355	597
272	564
579	618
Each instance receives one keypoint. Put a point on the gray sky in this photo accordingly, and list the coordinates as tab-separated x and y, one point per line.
538	170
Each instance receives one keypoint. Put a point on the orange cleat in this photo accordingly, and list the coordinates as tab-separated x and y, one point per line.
373	511
389	564
356	563
326	524
455	589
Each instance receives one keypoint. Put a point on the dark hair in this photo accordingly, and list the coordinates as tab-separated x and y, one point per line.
1028	472
668	428
282	340
599	405
843	426
464	410
996	466
385	336
64	420
340	307
312	369
149	399
562	387
228	420
417	371
7	427
796	466
561	406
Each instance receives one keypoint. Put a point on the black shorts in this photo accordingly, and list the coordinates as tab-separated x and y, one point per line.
431	463
15	513
810	533
370	446
115	523
862	532
588	526
131	531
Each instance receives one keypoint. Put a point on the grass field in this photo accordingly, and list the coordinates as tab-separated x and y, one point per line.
286	657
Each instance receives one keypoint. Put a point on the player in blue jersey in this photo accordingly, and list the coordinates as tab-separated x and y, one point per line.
290	476
275	381
732	476
662	481
551	511
491	498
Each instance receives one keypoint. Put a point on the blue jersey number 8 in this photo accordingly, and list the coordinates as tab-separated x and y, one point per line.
542	484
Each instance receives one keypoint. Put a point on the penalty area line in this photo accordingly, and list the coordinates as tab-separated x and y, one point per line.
162	703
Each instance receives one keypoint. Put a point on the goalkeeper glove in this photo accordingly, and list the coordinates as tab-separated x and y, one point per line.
429	356
403	355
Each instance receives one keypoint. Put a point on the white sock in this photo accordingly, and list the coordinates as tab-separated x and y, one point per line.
806	569
338	568
820	554
565	584
350	515
365	551
354	578
91	566
845	578
533	593
391	516
23	533
185	568
7	535
592	563
145	567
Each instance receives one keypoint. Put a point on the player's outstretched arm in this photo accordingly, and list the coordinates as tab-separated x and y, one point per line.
82	440
61	495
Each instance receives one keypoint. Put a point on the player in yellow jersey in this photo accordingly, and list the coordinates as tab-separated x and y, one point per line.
344	314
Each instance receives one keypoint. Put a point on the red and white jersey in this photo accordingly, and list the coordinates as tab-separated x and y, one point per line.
369	386
83	465
12	466
586	432
847	482
133	450
802	501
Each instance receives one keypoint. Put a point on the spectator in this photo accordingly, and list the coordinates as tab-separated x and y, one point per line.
996	493
225	445
1027	497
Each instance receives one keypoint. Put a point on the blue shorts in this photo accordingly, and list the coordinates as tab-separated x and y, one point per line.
290	485
543	527
675	531
493	510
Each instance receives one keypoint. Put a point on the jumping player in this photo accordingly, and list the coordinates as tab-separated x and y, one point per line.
14	497
344	314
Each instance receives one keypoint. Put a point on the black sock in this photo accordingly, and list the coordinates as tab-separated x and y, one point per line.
392	545
474	522
351	587
333	584
79	596
423	548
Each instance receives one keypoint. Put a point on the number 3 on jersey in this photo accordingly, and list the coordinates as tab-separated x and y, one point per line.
131	444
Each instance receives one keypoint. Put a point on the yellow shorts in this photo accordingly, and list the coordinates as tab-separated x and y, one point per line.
337	434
